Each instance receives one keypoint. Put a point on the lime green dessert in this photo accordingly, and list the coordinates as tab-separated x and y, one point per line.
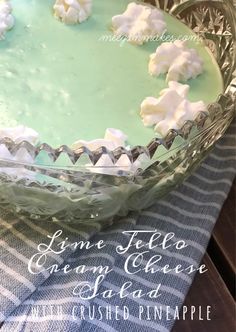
71	82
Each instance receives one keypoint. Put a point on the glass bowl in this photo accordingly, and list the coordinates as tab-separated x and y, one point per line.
63	187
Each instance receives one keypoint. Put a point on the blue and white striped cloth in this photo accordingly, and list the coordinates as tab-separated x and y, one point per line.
189	212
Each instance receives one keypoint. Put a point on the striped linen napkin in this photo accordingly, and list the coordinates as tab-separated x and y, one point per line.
59	301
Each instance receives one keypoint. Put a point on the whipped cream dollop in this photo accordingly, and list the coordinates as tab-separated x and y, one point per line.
72	11
177	60
6	18
18	134
113	139
171	109
139	23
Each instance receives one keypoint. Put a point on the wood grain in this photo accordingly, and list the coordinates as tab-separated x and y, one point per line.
222	247
209	289
217	287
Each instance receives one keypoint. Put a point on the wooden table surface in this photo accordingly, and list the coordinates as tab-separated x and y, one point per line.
216	288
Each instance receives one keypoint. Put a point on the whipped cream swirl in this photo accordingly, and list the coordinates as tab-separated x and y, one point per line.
18	134
139	23
171	109
113	139
6	18
72	11
177	60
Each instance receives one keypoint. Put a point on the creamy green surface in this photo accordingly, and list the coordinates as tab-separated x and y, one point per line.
67	84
